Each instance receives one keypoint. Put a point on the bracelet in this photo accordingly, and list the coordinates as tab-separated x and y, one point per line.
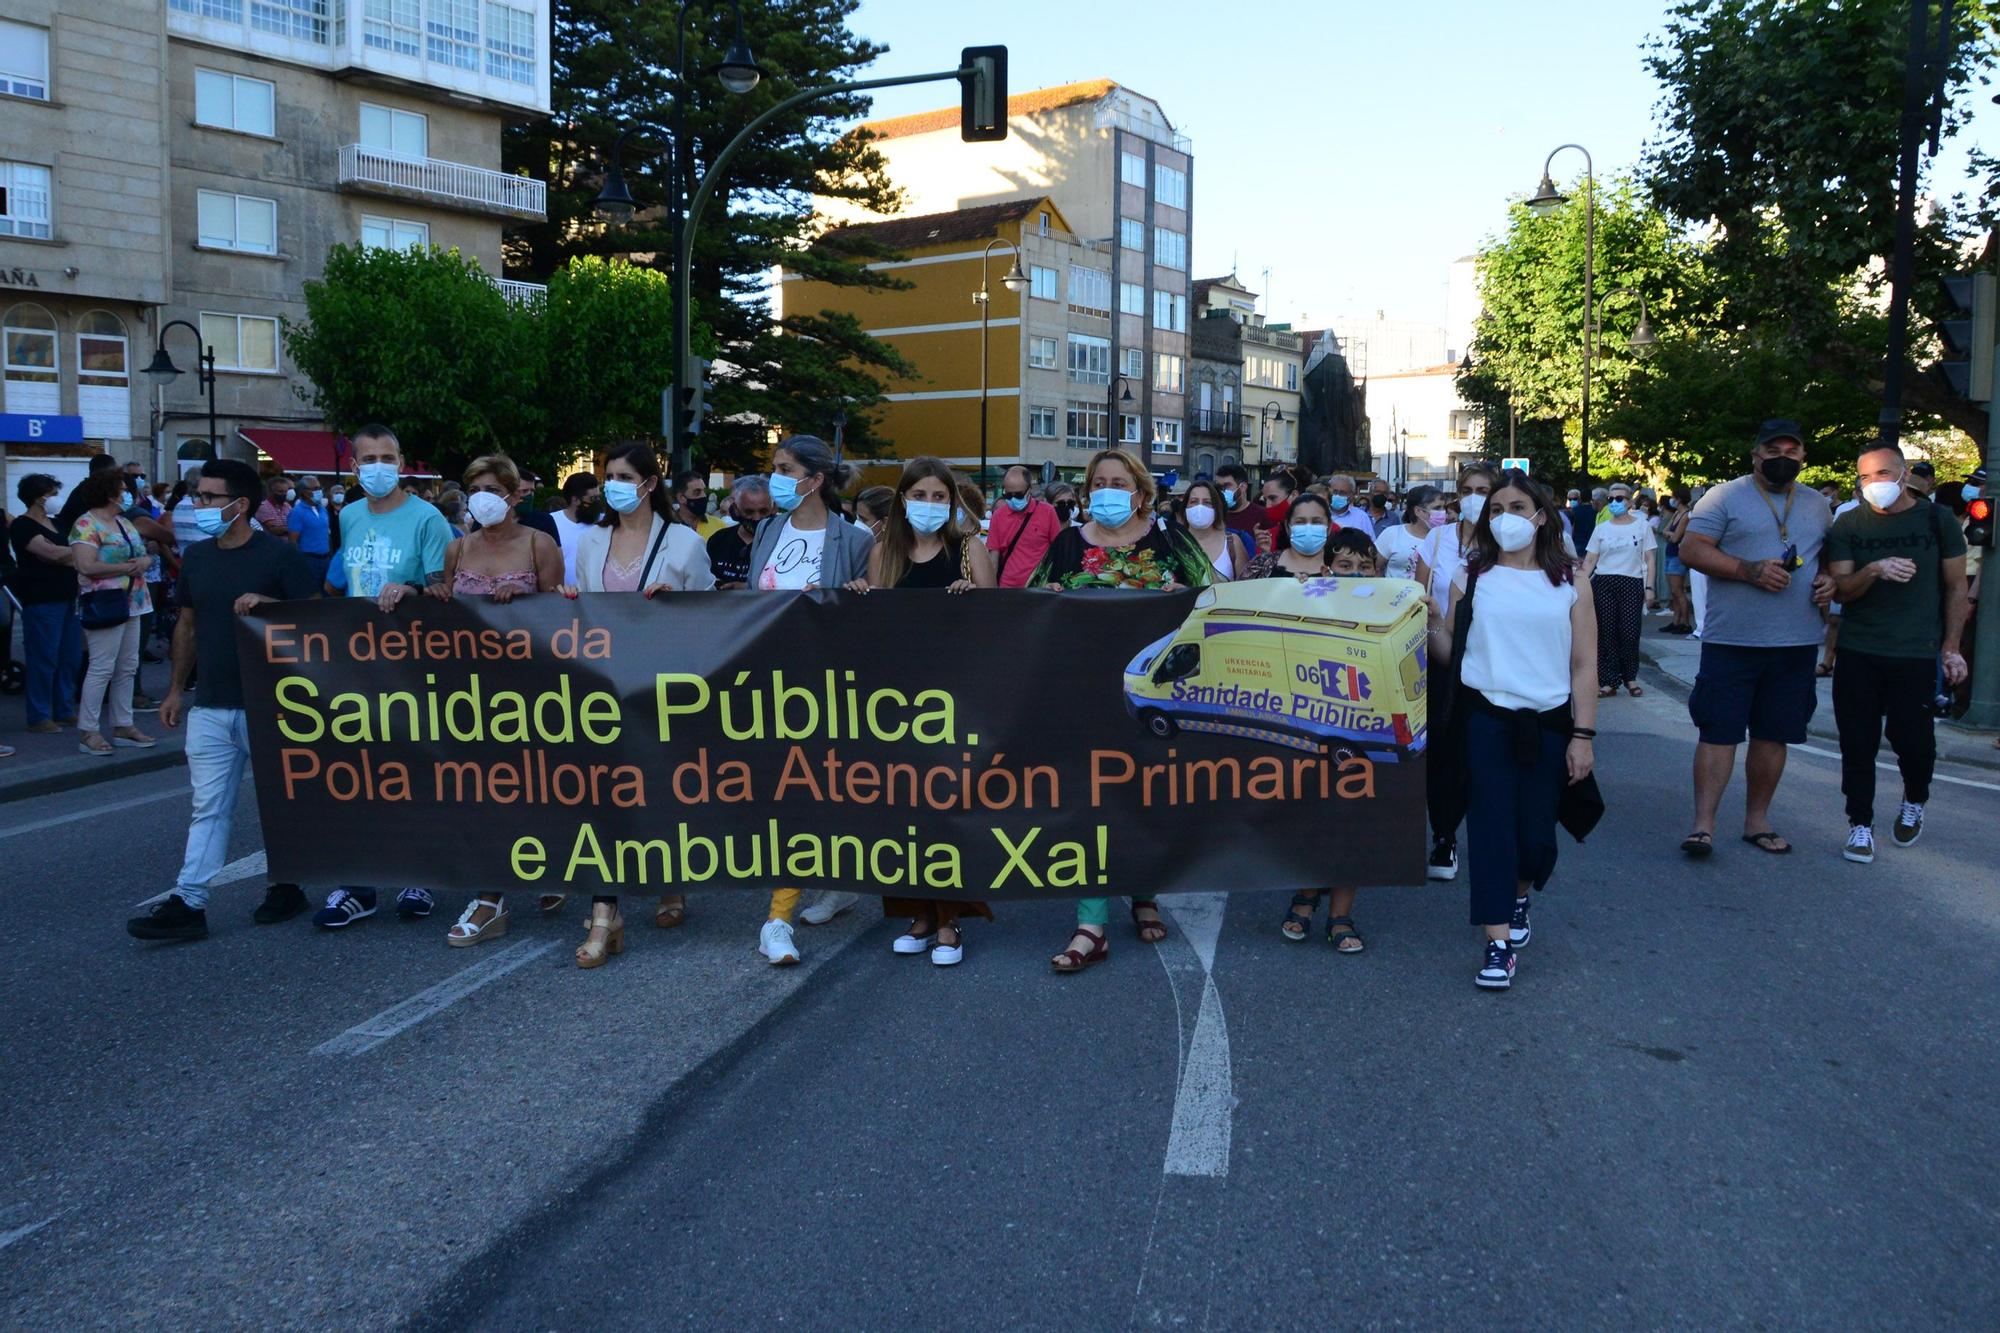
1582	734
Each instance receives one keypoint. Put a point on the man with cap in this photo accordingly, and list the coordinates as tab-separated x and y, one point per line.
1758	539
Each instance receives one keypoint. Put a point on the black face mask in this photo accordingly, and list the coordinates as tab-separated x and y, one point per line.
1064	509
1780	471
699	508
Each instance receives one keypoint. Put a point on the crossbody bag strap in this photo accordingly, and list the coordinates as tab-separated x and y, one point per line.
646	569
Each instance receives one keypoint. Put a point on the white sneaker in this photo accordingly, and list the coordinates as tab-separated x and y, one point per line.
828	905
775	943
946	955
907	943
1860	844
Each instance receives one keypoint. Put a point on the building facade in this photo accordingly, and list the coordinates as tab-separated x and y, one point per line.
1249	373
1114	166
194	160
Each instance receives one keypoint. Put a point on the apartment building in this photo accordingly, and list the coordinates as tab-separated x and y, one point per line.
1112	164
1244	407
194	160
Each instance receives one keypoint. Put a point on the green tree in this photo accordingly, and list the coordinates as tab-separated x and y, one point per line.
605	332
424	341
613	64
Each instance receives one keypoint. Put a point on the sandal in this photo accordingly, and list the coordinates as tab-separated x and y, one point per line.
1698	845
1768	841
1606	691
1150	931
672	911
1341	929
551	903
1634	688
1294	926
1069	960
467	932
605	937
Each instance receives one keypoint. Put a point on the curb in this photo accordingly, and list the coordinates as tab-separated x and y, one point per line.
51	776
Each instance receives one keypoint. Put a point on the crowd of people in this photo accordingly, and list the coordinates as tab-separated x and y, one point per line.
1521	655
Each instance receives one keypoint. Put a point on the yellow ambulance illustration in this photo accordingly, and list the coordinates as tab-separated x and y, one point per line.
1331	662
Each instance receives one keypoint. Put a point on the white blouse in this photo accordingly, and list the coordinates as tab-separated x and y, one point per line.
1517	653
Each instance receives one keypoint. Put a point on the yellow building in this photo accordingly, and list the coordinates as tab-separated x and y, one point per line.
1051	386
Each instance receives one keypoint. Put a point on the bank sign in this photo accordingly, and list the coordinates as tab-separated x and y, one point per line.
29	428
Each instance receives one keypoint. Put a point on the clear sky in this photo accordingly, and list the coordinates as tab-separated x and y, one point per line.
1354	150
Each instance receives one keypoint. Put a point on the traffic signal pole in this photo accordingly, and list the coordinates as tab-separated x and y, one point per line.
1985	706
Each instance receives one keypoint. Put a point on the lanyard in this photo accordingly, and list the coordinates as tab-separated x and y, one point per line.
1780	519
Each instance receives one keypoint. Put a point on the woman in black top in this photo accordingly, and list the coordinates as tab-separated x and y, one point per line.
45	582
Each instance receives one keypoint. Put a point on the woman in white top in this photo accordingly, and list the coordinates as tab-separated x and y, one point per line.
1614	561
1528	710
1440	566
1396	545
1201	510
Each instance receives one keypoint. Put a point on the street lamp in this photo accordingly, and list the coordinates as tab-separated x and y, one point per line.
839	434
162	371
1271	412
1542	202
1117	394
1015	281
1642	342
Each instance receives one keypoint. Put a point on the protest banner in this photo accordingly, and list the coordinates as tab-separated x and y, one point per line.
984	746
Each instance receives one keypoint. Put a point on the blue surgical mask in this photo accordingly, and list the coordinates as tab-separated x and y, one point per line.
1111	509
926	515
378	479
1017	502
622	496
1309	538
211	521
1229	496
1617	508
1338	503
785	493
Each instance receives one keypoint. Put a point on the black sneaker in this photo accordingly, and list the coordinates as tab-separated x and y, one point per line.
1860	846
1518	930
281	902
1498	971
170	919
414	904
1444	859
1909	825
344	907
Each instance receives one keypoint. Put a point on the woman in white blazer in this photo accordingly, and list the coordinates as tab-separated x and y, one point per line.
638	547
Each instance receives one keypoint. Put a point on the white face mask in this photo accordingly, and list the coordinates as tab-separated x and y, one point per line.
1200	516
1513	532
1882	494
1470	507
487	507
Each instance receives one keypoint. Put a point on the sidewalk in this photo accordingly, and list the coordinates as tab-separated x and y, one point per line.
42	765
1677	657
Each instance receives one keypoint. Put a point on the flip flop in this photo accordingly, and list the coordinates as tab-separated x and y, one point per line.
1698	845
1766	842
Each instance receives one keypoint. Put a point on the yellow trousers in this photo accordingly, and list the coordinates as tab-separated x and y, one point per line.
784	902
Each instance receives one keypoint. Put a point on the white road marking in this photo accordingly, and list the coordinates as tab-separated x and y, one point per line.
429	1003
93	811
252	866
1205	1099
22	1233
1891	768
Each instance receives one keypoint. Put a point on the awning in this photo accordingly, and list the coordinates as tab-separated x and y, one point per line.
320	452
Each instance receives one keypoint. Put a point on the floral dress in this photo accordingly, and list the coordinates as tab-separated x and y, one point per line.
1157	561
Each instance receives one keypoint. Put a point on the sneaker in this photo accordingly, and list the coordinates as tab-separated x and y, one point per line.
1498	972
281	902
170	919
911	942
775	943
1444	859
1860	844
1518	930
414	904
144	703
1909	825
949	955
344	907
46	727
827	906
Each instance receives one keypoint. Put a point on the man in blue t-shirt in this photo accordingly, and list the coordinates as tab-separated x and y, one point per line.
308	526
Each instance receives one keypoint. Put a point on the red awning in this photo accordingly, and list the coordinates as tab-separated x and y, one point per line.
320	451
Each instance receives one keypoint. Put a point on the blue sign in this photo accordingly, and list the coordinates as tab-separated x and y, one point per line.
1510	464
28	428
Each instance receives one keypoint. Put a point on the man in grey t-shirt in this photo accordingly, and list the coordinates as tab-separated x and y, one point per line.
1758	540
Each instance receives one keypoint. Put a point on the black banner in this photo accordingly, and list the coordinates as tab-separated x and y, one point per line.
992	745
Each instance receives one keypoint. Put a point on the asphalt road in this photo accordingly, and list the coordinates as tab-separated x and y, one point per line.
1757	1091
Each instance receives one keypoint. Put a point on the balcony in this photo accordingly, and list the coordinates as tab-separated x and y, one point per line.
522	292
1281	338
1213	421
445	184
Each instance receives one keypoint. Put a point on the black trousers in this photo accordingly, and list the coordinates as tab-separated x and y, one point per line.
1621	604
1868	692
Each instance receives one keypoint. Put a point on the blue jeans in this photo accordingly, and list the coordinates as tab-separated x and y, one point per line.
54	646
1510	811
218	750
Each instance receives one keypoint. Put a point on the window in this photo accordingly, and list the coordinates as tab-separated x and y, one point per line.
1089	359
231	10
237	222
1042	354
24	60
1292	376
1170	186
103	376
28	360
1042	283
1270	373
395	26
1087	424
1131	298
1128	430
1166	436
1042	223
1132	234
394	233
1042	423
1089	291
1167	373
451	32
304	19
247	343
1464	425
510	43
24	200
1170	248
1170	312
405	134
1132	169
232	102
1131	362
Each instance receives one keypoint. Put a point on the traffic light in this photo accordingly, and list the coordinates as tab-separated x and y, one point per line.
1979	523
694	397
982	81
1968	337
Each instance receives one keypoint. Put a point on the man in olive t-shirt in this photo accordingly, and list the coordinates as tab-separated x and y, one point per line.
1899	563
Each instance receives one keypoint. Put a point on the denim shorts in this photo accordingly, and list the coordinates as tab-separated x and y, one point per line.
1675	565
1770	693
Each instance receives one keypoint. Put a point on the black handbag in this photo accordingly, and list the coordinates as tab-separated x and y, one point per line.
104	608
